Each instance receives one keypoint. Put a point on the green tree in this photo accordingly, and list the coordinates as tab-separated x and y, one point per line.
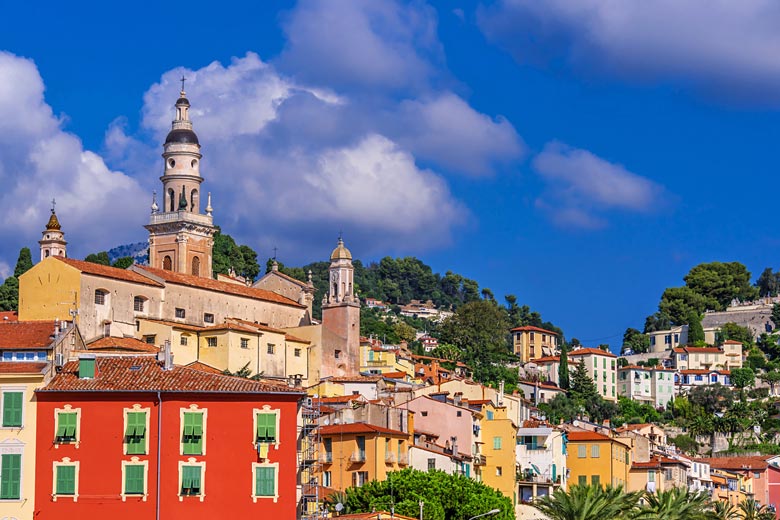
772	378
582	386
479	329
123	262
98	258
721	282
589	503
776	315
768	283
736	332
751	510
23	262
635	341
677	503
742	377
724	511
227	255
695	330
563	368
450	497
9	291
404	331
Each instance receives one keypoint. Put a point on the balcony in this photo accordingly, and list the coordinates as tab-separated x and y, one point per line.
480	460
390	458
403	460
176	216
358	457
326	458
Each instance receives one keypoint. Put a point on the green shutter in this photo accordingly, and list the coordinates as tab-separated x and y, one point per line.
595	480
135	433
192	441
188	426
12	408
66	426
66	480
265	480
266	427
10	476
190	480
582	480
134	479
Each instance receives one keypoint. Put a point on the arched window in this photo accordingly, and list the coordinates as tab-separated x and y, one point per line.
194	200
196	266
45	253
171	199
167	263
139	304
100	297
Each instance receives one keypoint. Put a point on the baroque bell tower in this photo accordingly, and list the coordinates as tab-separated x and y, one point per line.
180	236
340	317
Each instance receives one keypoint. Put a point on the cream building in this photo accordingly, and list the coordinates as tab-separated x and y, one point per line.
601	366
653	385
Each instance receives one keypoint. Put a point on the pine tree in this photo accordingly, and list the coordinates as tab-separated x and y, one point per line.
24	262
9	291
582	386
563	368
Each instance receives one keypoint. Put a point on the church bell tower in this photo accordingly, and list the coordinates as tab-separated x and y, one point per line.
180	235
53	240
340	318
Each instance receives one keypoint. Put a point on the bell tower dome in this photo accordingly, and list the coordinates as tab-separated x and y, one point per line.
53	240
180	236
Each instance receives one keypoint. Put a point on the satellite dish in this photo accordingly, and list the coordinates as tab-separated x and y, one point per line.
339	507
326	421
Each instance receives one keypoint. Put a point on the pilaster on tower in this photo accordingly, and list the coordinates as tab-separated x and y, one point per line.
180	236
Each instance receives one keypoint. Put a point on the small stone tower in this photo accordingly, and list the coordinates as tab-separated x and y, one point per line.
53	240
180	236
340	318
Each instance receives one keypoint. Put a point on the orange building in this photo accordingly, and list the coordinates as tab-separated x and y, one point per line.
594	458
530	343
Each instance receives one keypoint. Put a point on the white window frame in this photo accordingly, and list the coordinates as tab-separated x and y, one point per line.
135	461
14	446
266	409
67	408
136	408
65	462
193	408
274	465
191	462
13	390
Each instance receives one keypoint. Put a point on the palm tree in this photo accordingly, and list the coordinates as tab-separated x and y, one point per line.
589	502
675	504
752	510
723	511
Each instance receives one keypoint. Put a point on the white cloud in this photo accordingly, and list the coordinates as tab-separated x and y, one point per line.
586	186
723	47
39	160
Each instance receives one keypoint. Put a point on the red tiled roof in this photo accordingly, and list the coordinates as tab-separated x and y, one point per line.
266	328
655	463
356	379
26	334
203	367
703	350
9	316
735	463
699	371
176	324
357	428
529	328
595	351
217	286
146	374
633	427
288	278
105	271
296	339
124	344
587	436
732	342
395	375
22	367
340	398
546	359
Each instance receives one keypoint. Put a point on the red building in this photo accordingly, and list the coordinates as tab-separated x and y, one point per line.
126	438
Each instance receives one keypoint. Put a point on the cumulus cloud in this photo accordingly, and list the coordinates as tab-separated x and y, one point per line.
586	186
726	48
381	44
39	160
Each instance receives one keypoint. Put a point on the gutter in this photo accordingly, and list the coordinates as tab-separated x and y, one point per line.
159	440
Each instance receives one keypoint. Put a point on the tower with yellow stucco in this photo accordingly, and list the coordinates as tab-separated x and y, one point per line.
180	235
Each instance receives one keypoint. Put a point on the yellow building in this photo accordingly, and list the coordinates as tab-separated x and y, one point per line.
376	358
498	436
731	486
530	343
357	453
593	458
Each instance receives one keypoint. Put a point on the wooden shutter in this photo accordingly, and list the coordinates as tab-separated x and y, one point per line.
12	408
265	481
10	475
134	479
66	480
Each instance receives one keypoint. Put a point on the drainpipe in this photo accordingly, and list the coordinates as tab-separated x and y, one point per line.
159	440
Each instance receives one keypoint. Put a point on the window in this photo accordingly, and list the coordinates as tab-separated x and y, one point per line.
65	479
595	480
196	266
265	481
652	340
67	423
582	480
489	415
668	473
496	443
183	341
595	451
180	313
100	297
150	339
244	343
192	433
326	478
667	339
361	446
756	475
698	378
191	480
328	450
431	464
297	352
676	338
135	433
459	414
271	348
359	478
424	413
138	303
499	471
582	451
337	354
266	428
651	475
208	318
167	262
12	409
135	479
211	342
10	476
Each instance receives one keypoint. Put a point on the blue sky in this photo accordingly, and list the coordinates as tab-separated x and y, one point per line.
583	156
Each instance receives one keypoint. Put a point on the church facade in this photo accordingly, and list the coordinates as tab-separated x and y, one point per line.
178	288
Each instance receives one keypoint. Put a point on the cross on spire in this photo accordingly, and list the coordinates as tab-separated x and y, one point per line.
53	204
183	79
274	252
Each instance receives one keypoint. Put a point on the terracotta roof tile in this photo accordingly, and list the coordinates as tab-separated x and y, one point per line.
217	286
145	374
546	359
22	367
587	436
105	271
338	399
230	326
122	344
732	342
594	351
203	367
735	463
357	428
26	334
530	328
176	324
356	379
9	316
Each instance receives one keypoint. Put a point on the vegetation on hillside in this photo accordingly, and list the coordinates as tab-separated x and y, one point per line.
9	291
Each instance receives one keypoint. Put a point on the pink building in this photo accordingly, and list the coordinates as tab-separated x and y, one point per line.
452	424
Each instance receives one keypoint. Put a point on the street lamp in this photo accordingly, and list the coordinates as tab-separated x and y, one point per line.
489	513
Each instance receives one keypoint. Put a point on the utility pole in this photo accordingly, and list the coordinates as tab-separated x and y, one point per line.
421	509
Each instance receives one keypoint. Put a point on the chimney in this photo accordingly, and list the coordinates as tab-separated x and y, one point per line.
167	356
457	398
500	397
87	364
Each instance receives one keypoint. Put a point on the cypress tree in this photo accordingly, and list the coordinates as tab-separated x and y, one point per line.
563	368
